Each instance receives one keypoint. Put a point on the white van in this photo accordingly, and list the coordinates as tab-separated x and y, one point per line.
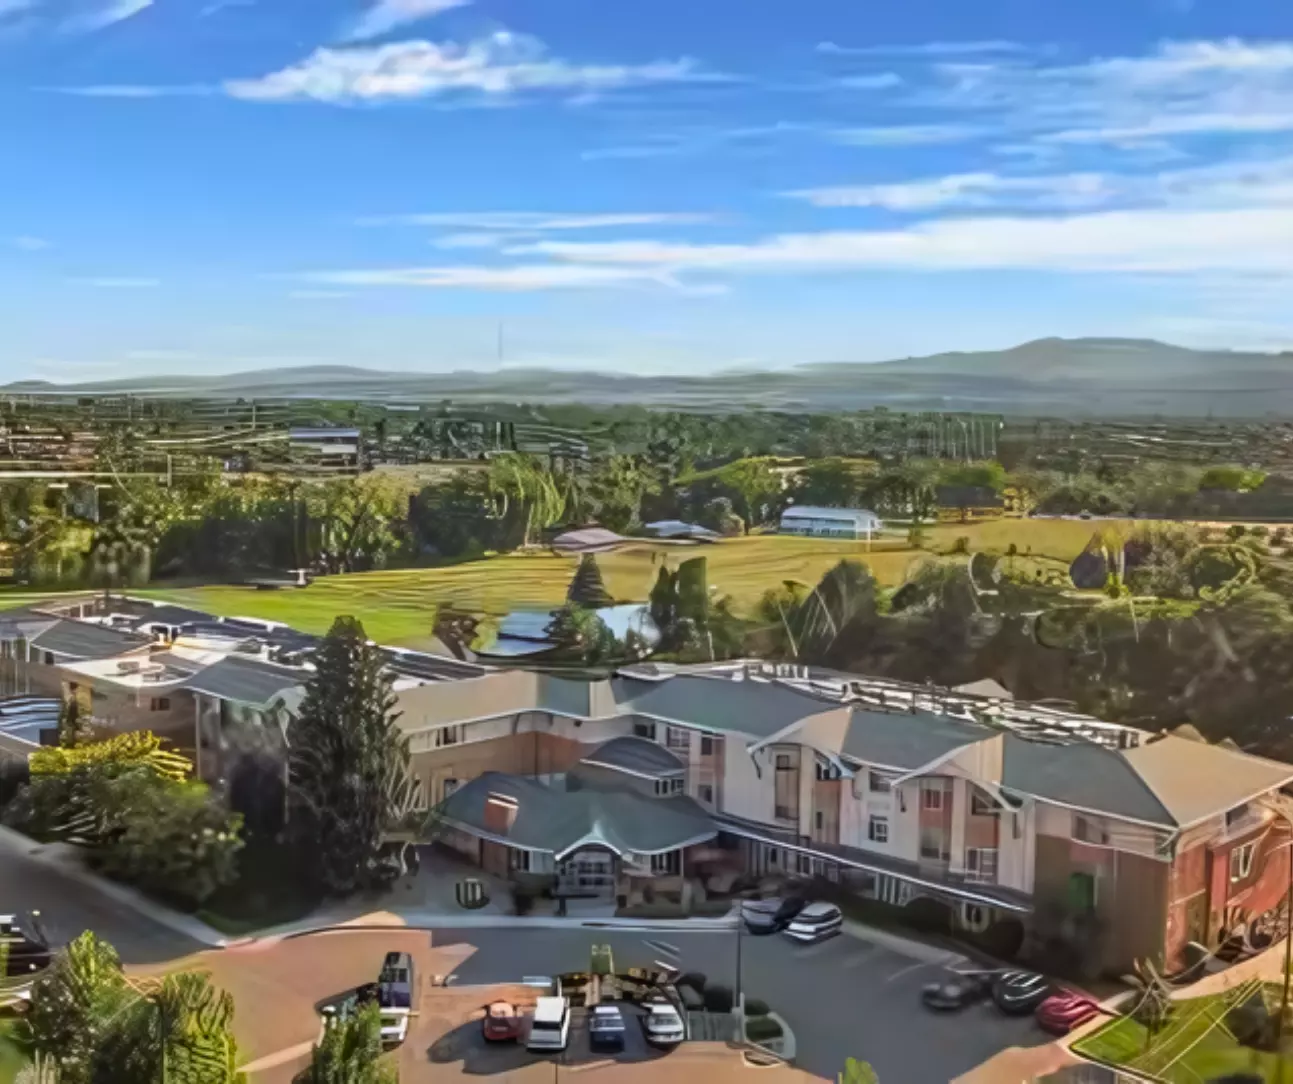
551	1027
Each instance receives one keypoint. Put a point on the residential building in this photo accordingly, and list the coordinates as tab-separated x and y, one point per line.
829	522
1022	821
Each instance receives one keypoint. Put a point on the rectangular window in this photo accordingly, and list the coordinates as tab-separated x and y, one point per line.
676	786
677	739
159	703
518	861
1241	861
931	795
661	787
932	844
705	793
983	806
879	783
706	746
877	830
447	788
1234	816
644	730
819	819
786	788
805	864
668	864
1089	830
981	864
448	735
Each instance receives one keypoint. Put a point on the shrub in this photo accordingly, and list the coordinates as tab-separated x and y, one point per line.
762	1029
961	544
522	901
755	1007
1236	531
719	998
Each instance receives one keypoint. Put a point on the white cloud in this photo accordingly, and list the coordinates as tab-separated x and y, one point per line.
498	66
877	81
217	6
1168	241
105	13
907	135
537	221
119	283
525	277
965	190
130	90
387	15
473	240
30	244
923	49
1189	124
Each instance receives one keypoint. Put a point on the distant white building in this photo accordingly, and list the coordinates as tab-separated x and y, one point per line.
829	522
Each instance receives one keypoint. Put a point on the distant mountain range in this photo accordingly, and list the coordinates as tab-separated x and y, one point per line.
1068	377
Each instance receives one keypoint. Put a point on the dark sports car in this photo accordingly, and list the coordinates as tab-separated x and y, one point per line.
1018	993
956	992
770	916
28	945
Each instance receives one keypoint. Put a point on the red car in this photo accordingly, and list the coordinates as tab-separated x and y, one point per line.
1065	1010
502	1023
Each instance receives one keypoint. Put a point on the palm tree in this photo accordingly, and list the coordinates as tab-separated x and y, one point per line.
520	480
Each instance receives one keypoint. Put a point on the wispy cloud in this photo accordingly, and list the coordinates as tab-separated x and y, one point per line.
104	13
922	49
499	66
474	240
131	90
217	6
387	15
907	135
699	140
118	283
522	278
536	221
874	81
965	190
28	243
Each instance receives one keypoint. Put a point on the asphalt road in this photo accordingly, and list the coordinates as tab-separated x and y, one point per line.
843	998
69	906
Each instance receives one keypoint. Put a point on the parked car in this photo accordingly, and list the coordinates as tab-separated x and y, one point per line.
814	923
395	986
955	992
1065	1010
502	1023
606	1028
771	915
663	1025
29	950
550	1029
1018	993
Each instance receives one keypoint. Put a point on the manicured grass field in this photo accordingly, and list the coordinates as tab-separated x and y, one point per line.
398	607
1193	1047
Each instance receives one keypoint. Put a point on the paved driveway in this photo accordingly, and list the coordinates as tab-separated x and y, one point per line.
843	998
69	906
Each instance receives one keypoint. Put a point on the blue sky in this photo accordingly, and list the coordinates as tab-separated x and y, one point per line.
216	185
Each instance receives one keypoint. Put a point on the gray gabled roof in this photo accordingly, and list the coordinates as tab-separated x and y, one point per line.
170	614
758	709
247	681
1082	775
637	755
906	740
83	640
556	820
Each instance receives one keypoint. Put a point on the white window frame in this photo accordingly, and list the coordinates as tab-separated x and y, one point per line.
449	735
644	729
877	829
447	787
1243	868
931	797
705	793
668	864
878	782
982	805
981	864
1089	830
677	739
707	745
677	785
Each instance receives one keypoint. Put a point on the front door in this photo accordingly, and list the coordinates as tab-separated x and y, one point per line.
587	873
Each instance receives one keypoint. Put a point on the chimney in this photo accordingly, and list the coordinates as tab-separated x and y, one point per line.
500	813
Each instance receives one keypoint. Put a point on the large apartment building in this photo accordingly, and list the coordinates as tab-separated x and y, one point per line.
659	779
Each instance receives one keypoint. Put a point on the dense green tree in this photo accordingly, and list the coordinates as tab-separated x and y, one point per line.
617	487
830	483
456	517
524	489
350	1052
756	484
348	763
580	632
587	588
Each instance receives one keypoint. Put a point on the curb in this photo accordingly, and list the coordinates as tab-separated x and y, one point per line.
421	921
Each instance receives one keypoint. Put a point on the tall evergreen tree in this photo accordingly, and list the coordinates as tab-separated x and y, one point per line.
349	763
350	1052
588	589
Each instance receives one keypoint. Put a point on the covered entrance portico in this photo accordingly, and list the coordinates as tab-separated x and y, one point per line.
587	872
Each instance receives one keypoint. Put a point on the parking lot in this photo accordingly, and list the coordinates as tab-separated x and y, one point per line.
843	998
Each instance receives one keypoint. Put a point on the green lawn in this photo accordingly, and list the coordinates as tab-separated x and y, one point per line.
398	607
1189	1050
12	1054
